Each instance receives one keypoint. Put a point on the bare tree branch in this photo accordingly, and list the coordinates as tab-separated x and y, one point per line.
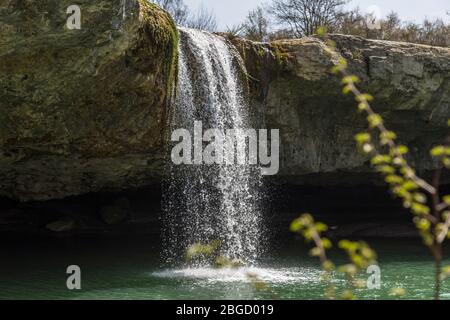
305	16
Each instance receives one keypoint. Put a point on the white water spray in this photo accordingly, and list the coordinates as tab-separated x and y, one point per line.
220	202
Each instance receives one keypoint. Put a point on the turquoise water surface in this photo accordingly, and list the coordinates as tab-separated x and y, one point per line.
130	268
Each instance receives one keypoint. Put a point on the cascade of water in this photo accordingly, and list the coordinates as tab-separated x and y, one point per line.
203	203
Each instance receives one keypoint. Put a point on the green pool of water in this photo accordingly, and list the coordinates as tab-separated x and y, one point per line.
130	268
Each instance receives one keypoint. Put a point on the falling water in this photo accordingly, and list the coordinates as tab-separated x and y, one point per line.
220	202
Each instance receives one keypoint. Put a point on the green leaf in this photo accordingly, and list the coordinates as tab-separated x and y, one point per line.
410	185
394	179
446	199
362	138
388	135
408	172
348	245
446	269
307	219
407	204
350	79
446	162
404	194
341	66
346	89
427	238
343	63
368	253
315	252
438	151
296	225
348	269
344	244
399	161
438	229
363	106
422	224
358	261
363	97
321	227
447	151
326	243
420	209
381	159
386	169
402	150
420	198
308	235
328	266
374	120
336	69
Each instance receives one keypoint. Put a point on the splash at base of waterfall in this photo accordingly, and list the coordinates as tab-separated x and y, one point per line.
269	275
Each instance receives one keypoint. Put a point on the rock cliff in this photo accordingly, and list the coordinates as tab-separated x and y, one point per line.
85	110
82	110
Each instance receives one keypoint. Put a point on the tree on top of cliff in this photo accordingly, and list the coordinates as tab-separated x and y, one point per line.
177	9
304	17
298	18
203	19
256	26
431	32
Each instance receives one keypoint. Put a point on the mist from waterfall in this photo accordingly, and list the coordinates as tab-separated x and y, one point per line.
203	203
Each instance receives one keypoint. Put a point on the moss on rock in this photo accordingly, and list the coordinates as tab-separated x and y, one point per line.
159	26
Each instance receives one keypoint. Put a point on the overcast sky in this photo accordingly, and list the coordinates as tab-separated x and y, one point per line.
230	12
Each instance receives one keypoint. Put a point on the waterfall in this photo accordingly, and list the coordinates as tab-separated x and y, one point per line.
203	203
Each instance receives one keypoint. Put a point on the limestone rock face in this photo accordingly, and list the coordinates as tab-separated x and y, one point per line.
86	110
82	110
294	91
